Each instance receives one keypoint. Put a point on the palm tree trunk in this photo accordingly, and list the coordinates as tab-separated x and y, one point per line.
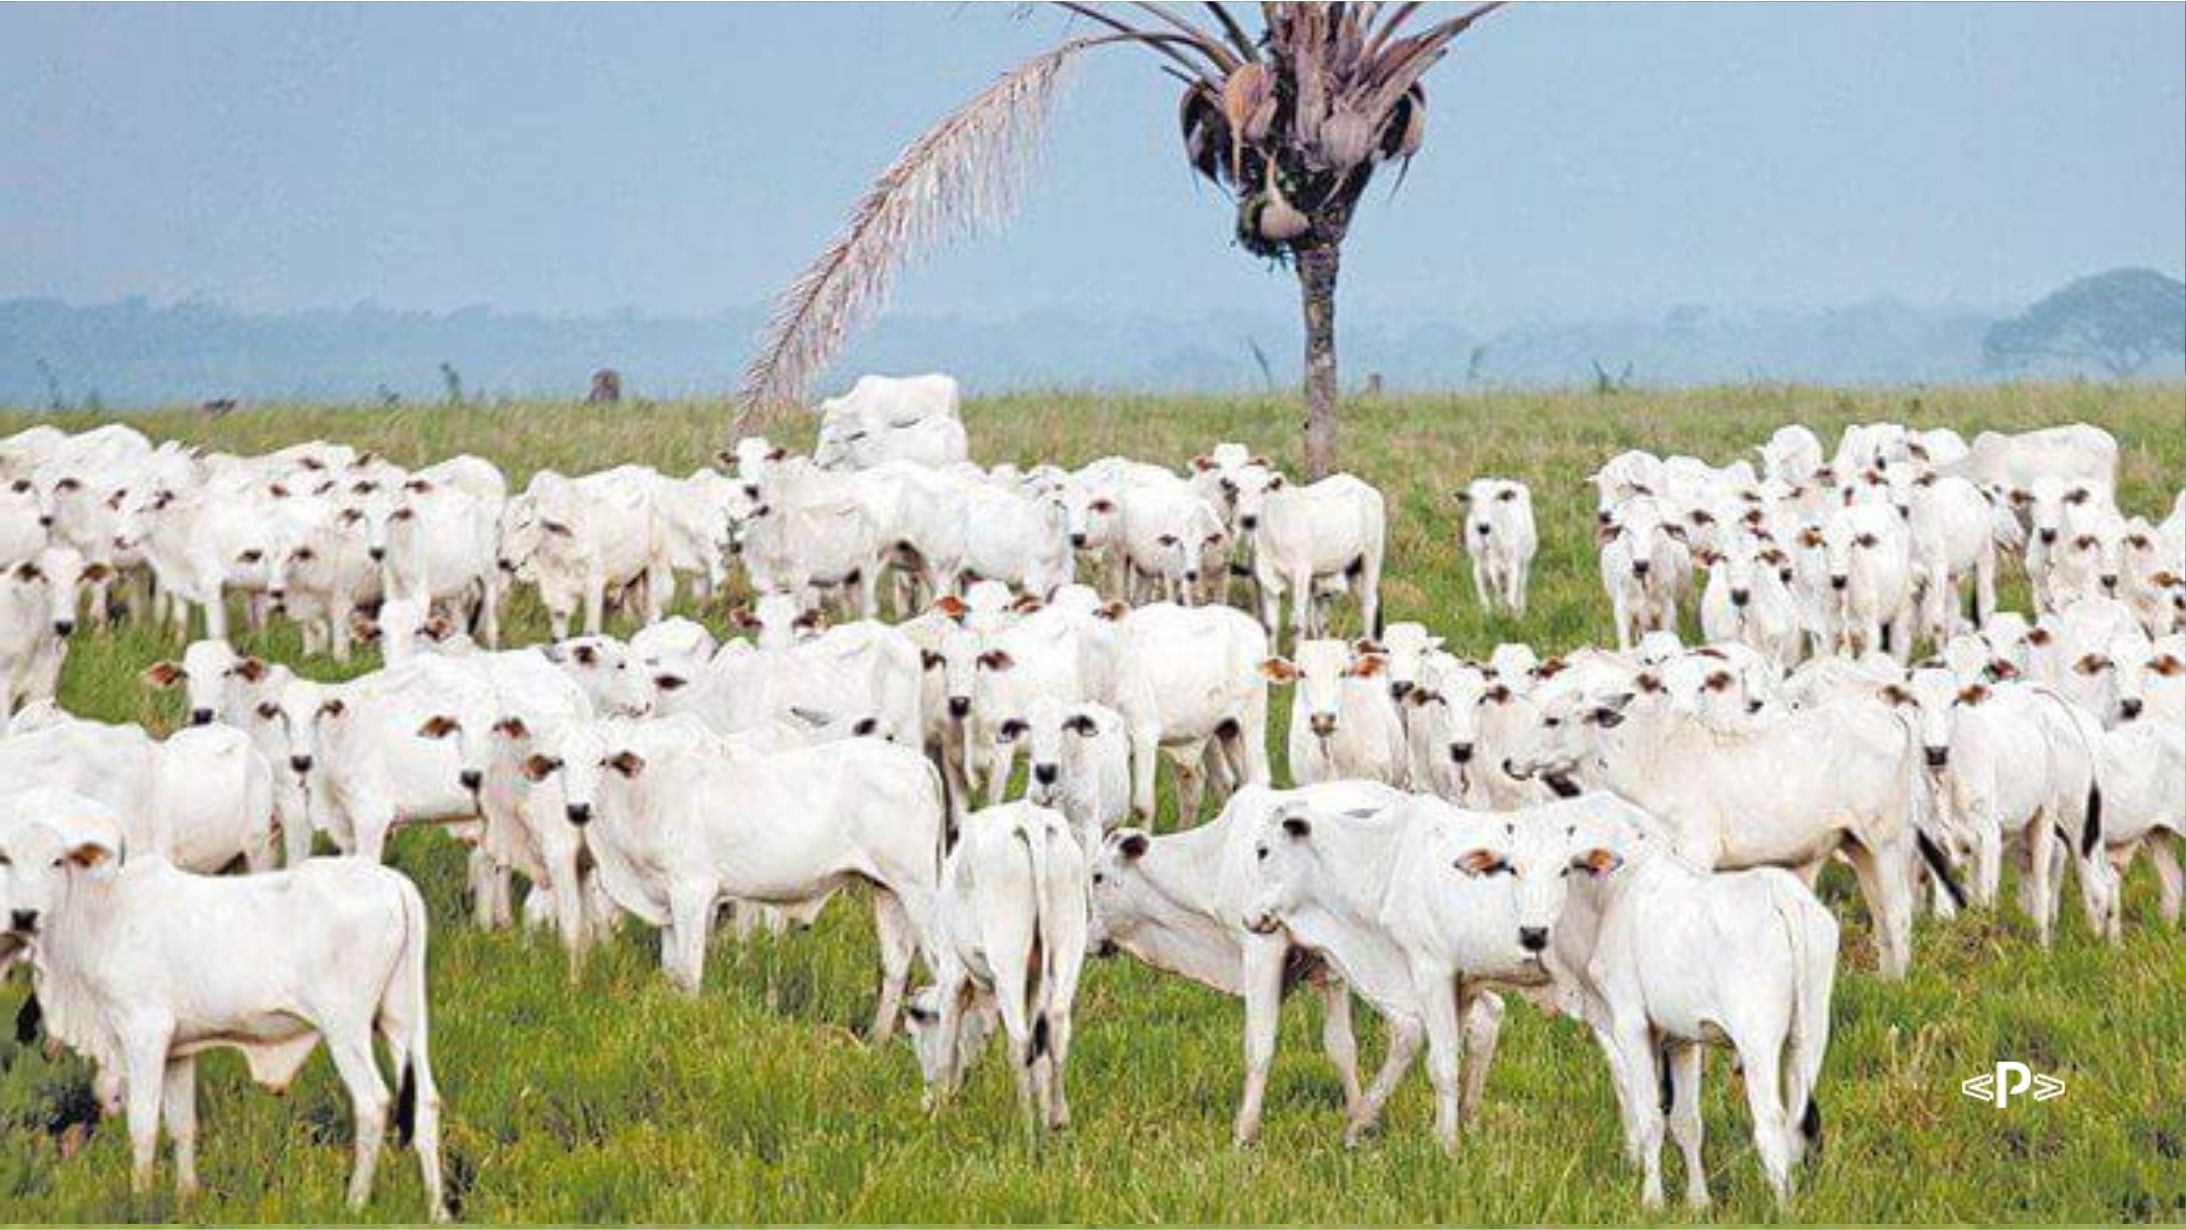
1316	265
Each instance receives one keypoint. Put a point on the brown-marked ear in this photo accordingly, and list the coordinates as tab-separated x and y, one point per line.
1113	611
587	655
1080	724
1203	463
627	763
931	660
162	675
1367	665
997	660
1499	694
251	669
334	708
90	854
1647	681
1810	537
96	573
951	606
363	627
511	726
1973	695
1597	861
26	572
2000	670
1606	533
2091	664
1896	695
438	726
268	710
777	453
810	621
1132	846
2040	636
1480	862
1026	604
2168	666
438	628
1550	669
1281	670
1297	826
538	767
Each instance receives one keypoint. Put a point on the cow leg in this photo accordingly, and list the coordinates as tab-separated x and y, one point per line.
1771	1125
1483	1026
683	942
1984	589
1341	1044
565	890
1405	1036
898	944
1445	1053
2035	890
144	1060
1191	787
1638	1055
349	1044
1263	980
2163	854
1988	859
1685	1125
178	1107
1885	878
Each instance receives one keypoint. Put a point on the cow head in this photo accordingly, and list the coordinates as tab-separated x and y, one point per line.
51	845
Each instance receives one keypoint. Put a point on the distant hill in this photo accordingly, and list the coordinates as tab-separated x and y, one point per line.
133	353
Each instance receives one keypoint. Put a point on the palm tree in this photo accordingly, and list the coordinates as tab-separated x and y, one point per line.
1292	124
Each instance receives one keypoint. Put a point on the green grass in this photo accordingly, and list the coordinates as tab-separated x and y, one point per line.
618	1100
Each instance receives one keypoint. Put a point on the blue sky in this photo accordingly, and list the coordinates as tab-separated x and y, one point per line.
1581	160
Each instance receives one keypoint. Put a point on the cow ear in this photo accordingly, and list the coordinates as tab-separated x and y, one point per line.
1499	694
1298	826
92	855
438	726
1081	725
997	660
2000	670
1973	695
511	726
363	627
627	763
1465	497
1203	463
1026	604
1597	861
1648	682
1480	862
251	669
1132	846
1113	611
951	606
26	572
438	628
810	621
1366	666
1420	698
586	655
777	453
669	683
334	707
1605	533
2040	636
2168	666
537	767
1281	670
931	660
162	675
2091	664
1277	482
96	573
1610	713
1896	695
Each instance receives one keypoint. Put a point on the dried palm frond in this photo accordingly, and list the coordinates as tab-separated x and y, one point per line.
962	174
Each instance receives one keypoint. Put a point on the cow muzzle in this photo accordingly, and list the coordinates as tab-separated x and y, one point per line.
1248	524
1400	688
64	627
1461	753
201	717
1938	757
2048	537
1046	774
1640	568
301	764
960	707
23	922
471	780
580	814
2130	707
376	553
1263	922
1740	597
1840	583
1323	724
1533	939
1077	542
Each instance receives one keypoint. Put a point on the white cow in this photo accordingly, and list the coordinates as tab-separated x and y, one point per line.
1189	684
38	607
1343	723
1663	958
1785	791
892	418
268	965
405	745
1368	885
1079	760
1748	599
577	539
2012	763
680	826
1178	902
1869	558
1009	927
1500	537
2141	771
1328	533
2014	461
1646	568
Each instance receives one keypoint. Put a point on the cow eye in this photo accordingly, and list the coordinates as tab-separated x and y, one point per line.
251	556
1866	540
1261	854
1167	540
1552	722
1100	877
269	710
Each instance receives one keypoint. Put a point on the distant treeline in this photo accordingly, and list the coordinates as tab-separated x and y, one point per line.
133	353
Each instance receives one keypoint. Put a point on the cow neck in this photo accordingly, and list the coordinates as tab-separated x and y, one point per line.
1195	942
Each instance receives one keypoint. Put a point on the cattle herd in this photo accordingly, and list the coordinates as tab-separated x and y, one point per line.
1629	836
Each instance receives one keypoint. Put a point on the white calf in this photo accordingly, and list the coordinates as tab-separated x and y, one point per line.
1343	723
1500	538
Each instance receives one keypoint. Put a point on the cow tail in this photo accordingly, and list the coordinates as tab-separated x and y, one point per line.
1813	974
1920	799
1035	836
2091	833
404	998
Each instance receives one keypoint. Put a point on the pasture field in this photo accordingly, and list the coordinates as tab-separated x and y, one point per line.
617	1100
